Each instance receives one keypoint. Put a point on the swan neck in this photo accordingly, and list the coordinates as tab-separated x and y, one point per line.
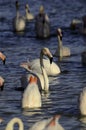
41	59
59	42
10	125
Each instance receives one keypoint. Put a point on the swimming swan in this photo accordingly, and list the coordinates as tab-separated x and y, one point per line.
31	96
61	51
82	102
42	24
29	16
43	81
19	21
51	69
12	122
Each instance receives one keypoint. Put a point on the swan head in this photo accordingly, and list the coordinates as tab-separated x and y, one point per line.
17	4
59	33
27	7
3	57
45	51
41	9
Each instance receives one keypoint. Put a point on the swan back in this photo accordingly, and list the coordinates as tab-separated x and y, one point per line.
11	124
82	102
31	96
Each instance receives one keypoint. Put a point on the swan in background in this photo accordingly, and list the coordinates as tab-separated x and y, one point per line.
43	81
76	23
48	124
29	16
31	96
42	24
82	102
19	22
51	69
12	122
61	51
83	58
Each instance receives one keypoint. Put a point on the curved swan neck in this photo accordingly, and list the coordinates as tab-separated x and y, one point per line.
10	125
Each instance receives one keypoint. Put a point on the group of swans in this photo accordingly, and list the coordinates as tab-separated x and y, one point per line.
19	22
3	58
45	124
40	71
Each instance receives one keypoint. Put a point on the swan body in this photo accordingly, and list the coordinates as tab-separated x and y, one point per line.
51	69
82	102
83	58
29	16
42	77
76	23
42	24
19	22
31	96
11	124
61	51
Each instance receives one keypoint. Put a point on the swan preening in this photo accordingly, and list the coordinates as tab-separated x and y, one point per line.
61	51
82	102
31	96
42	24
51	69
29	16
40	72
45	124
19	22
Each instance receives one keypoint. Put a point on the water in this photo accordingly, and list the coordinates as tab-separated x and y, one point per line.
66	87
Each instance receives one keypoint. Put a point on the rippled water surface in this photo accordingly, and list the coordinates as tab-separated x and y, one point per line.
66	87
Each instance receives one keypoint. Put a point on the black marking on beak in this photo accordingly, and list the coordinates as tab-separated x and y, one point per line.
51	59
4	61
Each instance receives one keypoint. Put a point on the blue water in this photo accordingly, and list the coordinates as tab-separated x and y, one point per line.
66	87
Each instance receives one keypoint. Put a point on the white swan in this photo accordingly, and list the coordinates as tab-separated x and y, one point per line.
43	80
83	58
19	21
51	69
12	122
76	23
62	51
42	24
2	81
31	96
2	57
48	124
82	102
29	16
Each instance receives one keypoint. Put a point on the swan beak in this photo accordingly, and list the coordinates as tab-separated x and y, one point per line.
51	59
